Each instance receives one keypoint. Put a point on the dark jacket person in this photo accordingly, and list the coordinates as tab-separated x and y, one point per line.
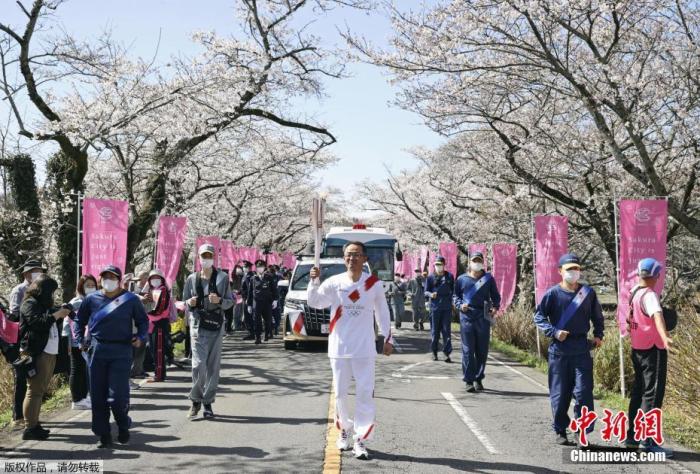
39	339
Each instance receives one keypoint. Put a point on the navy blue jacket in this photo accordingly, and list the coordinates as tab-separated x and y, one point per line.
552	307
117	326
443	285
488	292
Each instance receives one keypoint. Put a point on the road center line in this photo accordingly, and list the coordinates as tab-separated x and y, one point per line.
331	457
471	424
519	373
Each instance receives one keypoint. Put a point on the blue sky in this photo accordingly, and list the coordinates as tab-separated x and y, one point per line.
371	134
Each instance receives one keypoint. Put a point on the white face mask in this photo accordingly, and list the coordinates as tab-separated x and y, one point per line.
89	290
156	283
476	266
572	276
439	268
35	275
206	262
110	285
239	271
260	270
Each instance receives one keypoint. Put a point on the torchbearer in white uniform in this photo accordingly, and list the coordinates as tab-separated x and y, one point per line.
356	300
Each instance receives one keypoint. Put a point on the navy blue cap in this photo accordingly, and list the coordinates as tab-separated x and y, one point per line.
474	255
649	268
440	258
569	260
112	269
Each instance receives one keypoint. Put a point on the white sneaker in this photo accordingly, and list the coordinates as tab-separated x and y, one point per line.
344	440
359	450
83	404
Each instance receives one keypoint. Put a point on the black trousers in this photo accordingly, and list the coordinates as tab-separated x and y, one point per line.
650	367
160	342
263	318
11	353
78	378
248	320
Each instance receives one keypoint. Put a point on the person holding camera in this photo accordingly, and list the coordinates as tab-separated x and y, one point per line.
39	339
208	295
110	315
31	270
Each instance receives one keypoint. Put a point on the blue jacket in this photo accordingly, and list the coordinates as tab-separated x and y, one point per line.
552	307
443	285
488	292
116	327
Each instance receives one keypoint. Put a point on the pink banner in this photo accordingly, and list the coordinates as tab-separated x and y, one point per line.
643	227
505	272
431	261
424	259
228	255
105	224
9	330
483	248
208	239
449	251
289	260
171	240
409	264
551	242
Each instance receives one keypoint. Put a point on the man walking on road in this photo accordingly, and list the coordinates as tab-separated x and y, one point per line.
357	301
416	289
439	288
477	298
565	314
208	295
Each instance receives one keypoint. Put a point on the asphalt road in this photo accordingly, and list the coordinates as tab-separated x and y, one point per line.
272	416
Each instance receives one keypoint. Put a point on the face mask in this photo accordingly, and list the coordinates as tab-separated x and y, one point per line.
156	283
260	270
206	262
572	276
477	267
110	285
239	271
35	275
89	290
439	268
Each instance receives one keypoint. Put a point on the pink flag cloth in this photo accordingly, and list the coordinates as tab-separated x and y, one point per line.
9	330
551	242
423	258
208	239
409	265
431	261
289	260
171	240
105	224
505	272
449	251
643	228
484	251
228	255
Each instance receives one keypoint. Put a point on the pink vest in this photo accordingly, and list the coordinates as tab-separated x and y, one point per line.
643	334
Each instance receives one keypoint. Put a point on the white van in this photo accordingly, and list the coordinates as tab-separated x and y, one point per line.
300	321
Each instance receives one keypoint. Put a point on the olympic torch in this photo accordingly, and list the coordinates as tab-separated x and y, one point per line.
318	206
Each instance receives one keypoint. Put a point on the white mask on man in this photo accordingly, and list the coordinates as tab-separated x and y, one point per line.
206	263
110	285
156	283
476	266
35	275
260	270
439	268
572	276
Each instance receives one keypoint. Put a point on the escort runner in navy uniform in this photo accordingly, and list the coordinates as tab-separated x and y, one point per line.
477	298
439	288
565	314
262	300
110	315
248	318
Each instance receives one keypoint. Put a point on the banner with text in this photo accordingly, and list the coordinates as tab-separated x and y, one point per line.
105	224
449	251
172	231
551	242
505	271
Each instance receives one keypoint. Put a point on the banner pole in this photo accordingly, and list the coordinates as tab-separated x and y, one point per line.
534	282
78	239
621	353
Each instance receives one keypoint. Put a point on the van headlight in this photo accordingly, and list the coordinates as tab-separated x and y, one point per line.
294	304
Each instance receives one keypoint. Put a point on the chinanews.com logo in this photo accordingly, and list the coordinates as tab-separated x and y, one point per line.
642	214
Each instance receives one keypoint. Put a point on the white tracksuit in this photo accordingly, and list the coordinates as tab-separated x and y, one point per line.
351	343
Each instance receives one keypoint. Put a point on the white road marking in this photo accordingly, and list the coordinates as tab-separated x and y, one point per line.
471	424
397	346
400	374
519	373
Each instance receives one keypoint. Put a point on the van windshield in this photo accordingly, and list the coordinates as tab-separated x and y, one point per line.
300	280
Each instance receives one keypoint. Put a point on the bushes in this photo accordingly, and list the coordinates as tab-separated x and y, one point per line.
683	387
